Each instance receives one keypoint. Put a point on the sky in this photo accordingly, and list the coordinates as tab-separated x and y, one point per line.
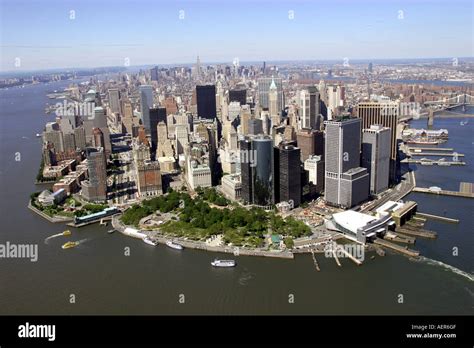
47	34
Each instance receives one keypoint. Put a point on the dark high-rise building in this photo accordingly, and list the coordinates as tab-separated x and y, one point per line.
206	101
246	169
262	178
154	73
156	116
289	167
256	163
238	95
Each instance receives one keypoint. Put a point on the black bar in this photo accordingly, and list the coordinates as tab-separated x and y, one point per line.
134	330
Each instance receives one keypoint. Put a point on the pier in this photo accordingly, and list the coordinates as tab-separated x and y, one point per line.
441	218
430	148
357	262
335	256
405	251
449	154
316	264
416	232
444	192
432	162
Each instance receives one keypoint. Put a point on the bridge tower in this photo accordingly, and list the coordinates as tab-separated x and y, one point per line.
431	119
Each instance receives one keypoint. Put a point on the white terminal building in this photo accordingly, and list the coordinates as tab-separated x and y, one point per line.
358	226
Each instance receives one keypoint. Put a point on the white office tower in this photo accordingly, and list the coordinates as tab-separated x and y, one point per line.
315	167
335	97
273	110
182	138
146	102
234	110
376	142
309	108
346	182
228	152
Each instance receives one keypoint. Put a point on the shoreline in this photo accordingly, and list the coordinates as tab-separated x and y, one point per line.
198	245
53	219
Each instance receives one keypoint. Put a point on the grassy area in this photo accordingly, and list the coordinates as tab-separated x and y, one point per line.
198	220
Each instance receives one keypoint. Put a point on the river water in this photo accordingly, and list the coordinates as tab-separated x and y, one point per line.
157	280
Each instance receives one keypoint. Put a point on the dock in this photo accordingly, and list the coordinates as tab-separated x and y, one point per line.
416	232
411	148
335	256
399	238
441	218
357	262
316	264
444	192
452	154
405	251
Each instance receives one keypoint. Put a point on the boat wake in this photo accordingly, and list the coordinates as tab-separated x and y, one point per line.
53	236
245	277
447	267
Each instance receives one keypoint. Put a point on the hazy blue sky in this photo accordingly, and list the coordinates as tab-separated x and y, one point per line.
105	33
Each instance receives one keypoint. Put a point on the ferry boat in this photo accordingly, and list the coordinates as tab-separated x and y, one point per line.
174	245
149	241
223	263
69	245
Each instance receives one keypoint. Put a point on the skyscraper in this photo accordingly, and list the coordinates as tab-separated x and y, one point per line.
154	73
309	108
385	114
114	100
264	88
206	101
156	115
273	100
289	167
376	156
146	102
346	183
311	142
238	95
256	160
95	188
246	169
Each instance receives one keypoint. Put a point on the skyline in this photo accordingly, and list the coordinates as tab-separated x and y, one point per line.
257	32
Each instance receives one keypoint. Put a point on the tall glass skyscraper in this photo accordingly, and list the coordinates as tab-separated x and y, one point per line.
146	102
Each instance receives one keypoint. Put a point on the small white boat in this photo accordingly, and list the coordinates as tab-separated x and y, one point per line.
149	241
38	135
174	245
223	263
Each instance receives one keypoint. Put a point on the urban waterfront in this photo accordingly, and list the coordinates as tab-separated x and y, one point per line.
151	280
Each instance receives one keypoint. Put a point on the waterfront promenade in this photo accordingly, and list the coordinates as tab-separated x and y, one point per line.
156	235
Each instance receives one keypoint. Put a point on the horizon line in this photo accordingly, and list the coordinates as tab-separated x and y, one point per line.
230	63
